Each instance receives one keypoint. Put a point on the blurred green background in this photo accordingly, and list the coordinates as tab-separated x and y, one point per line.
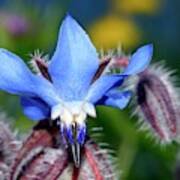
27	25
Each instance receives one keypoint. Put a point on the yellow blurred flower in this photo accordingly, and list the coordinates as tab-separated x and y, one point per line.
110	31
138	6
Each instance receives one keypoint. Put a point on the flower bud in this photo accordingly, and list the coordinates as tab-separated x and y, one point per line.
96	163
157	102
40	138
43	156
8	146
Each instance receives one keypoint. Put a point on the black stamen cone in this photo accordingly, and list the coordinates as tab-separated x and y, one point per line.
76	149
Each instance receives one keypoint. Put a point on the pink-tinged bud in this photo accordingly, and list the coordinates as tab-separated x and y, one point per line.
42	137
43	156
157	102
48	164
96	163
120	62
8	146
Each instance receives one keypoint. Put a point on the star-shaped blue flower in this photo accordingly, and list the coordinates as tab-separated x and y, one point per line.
72	93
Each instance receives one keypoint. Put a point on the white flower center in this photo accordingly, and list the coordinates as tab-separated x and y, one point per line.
73	112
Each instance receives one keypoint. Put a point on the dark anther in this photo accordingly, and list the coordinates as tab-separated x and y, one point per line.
101	68
43	69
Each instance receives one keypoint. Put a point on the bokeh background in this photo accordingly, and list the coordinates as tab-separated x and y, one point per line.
27	25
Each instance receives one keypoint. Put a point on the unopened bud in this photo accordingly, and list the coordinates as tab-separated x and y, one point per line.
97	163
8	146
157	102
43	156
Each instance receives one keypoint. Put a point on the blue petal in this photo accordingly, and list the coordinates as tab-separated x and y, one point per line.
101	86
74	62
139	60
16	78
118	99
35	108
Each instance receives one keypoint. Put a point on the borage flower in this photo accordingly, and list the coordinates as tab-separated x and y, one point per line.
71	85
